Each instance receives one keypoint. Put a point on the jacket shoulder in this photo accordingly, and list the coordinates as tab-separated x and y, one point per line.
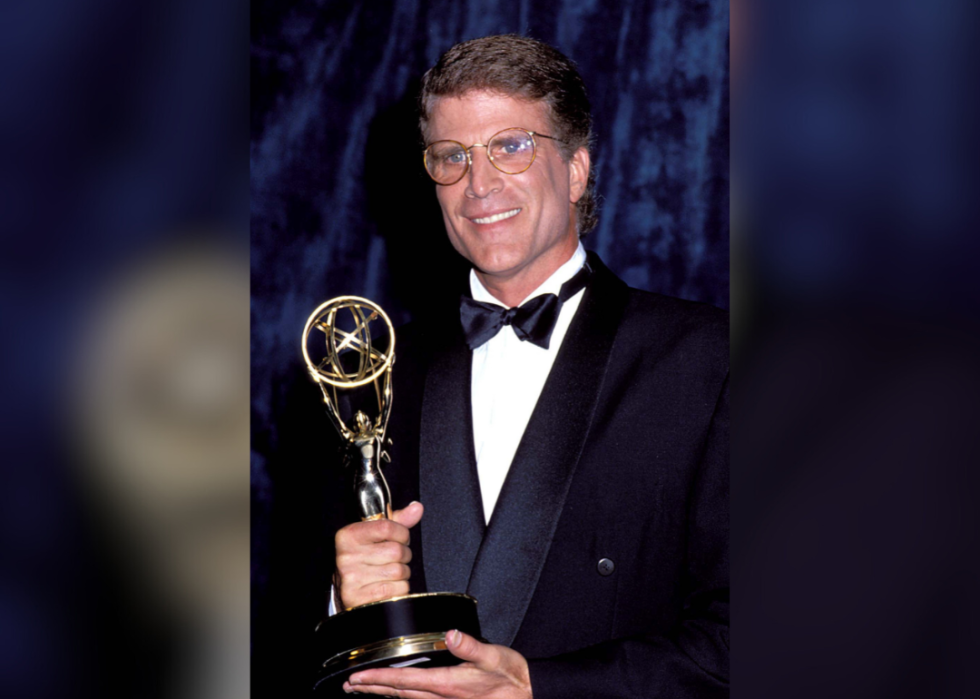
653	317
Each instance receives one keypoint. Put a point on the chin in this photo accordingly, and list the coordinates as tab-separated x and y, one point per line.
497	263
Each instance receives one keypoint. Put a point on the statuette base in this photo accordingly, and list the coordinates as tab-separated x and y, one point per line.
395	631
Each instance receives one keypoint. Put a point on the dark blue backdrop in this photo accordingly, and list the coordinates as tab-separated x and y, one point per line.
340	203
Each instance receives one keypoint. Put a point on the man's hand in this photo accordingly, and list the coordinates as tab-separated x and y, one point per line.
490	671
372	557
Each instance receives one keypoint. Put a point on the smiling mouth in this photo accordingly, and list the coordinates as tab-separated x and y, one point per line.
497	217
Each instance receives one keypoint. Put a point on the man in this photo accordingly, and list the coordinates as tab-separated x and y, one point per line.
572	476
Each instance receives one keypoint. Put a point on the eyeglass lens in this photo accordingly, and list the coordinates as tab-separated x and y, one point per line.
510	151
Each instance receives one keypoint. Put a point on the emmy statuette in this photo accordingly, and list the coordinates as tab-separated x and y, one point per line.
402	631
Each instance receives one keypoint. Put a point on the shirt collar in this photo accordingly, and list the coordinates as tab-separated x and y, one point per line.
551	285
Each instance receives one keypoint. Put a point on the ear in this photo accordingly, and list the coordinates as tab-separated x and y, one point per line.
578	174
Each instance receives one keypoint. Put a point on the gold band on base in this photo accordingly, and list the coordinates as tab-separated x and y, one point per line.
389	649
401	631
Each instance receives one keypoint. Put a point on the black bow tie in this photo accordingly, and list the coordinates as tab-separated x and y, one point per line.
534	321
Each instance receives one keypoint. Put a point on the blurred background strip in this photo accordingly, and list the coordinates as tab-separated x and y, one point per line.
124	511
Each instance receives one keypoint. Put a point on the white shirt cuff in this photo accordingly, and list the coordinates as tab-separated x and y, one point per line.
335	604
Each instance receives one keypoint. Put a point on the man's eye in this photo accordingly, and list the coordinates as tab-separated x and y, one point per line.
454	158
509	146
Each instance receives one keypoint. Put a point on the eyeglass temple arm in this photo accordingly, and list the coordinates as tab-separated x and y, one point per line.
544	135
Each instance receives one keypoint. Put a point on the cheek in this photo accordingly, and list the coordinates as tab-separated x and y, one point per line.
448	200
445	207
450	221
554	185
441	198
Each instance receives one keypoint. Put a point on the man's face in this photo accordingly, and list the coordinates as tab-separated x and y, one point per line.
513	228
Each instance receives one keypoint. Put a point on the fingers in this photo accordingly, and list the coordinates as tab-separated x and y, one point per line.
492	671
361	533
404	682
377	554
394	529
372	557
386	691
360	576
360	583
355	591
465	647
410	515
377	592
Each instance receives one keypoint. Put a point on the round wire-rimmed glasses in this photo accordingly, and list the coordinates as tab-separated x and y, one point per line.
512	151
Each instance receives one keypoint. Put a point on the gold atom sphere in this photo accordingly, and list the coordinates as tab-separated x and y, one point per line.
371	363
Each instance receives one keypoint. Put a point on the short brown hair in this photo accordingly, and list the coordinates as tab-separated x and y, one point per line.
528	69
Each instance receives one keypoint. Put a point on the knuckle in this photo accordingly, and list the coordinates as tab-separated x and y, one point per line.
393	551
349	570
386	529
396	571
347	583
396	532
493	663
342	539
353	535
396	589
364	530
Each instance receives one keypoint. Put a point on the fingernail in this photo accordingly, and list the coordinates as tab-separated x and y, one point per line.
453	638
354	680
347	687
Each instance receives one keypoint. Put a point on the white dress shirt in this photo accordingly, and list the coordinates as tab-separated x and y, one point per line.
508	375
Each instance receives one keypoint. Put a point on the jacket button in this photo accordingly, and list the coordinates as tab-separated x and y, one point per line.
606	567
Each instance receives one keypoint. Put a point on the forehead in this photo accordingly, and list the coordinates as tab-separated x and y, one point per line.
478	115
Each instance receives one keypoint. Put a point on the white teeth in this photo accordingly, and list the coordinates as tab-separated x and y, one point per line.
497	217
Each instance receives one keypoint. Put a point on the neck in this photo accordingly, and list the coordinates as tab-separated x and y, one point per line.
510	292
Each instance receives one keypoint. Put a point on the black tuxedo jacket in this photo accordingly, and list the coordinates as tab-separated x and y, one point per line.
624	460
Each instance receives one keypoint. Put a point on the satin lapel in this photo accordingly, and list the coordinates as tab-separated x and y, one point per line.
518	537
449	488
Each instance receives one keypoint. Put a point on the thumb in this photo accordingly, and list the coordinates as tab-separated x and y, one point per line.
465	647
409	515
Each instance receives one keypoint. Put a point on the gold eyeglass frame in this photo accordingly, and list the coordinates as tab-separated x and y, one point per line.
469	154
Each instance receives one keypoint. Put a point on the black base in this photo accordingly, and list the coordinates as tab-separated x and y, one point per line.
410	629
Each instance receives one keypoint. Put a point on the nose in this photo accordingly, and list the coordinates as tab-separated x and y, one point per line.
484	178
